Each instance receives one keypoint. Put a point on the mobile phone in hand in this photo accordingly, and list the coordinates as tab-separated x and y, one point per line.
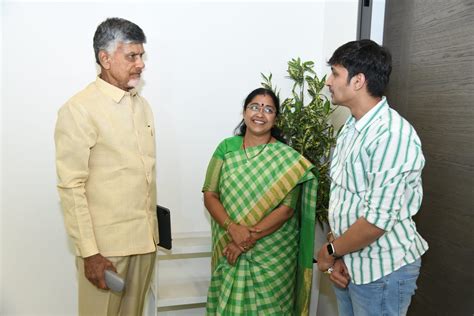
114	281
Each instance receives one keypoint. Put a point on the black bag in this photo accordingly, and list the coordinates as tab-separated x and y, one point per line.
164	226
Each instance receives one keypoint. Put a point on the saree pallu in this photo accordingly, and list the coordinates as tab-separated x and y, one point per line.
274	277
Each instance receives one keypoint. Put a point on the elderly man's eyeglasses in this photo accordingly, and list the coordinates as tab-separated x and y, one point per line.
267	109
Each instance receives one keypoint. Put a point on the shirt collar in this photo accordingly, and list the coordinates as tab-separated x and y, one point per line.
112	91
370	116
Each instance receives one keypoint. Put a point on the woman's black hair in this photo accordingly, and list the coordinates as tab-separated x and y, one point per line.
275	131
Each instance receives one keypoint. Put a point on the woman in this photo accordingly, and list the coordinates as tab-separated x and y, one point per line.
253	185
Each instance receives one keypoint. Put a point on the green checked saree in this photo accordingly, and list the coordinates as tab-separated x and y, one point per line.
274	277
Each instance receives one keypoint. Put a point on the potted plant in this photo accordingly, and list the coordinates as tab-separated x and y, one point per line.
304	120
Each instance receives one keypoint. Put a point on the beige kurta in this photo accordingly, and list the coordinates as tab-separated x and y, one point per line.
105	159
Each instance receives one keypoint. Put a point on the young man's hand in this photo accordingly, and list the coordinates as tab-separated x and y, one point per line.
340	274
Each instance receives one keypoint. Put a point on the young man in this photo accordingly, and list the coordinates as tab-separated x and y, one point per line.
105	159
373	251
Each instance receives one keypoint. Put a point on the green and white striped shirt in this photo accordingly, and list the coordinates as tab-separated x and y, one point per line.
376	174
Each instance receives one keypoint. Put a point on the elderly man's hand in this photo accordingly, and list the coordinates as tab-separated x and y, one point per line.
94	269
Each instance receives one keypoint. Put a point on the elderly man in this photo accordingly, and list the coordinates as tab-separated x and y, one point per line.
374	251
105	159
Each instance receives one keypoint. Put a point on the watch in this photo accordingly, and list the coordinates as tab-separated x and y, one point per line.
332	250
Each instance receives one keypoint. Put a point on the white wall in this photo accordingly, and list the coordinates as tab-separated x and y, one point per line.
202	60
1	159
377	23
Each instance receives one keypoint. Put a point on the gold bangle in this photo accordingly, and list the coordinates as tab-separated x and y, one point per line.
330	237
227	223
228	226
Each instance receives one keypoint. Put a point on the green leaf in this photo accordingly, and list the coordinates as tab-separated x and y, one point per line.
327	106
307	127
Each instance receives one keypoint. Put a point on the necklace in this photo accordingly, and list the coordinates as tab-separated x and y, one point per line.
260	151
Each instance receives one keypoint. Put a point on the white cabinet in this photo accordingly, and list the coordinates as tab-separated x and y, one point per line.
182	276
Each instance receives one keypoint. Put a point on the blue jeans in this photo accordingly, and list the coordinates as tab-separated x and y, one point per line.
387	296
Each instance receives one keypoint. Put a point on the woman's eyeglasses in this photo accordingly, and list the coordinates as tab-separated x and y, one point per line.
267	109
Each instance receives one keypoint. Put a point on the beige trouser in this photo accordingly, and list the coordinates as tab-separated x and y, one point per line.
136	270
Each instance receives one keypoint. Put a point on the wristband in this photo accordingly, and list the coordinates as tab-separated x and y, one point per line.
332	250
